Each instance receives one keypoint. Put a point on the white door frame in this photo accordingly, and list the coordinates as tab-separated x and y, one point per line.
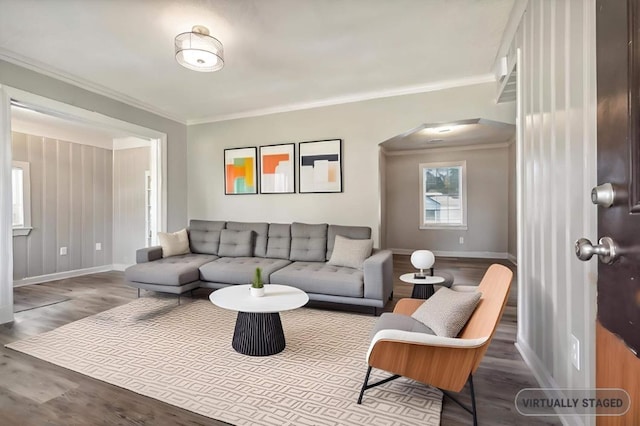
63	110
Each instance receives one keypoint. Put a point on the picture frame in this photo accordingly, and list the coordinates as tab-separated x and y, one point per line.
240	171
278	168
320	166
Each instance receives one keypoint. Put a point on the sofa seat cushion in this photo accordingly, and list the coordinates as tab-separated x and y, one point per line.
391	321
322	278
174	270
240	270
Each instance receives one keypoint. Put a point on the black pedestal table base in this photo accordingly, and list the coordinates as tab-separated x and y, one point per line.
422	291
258	334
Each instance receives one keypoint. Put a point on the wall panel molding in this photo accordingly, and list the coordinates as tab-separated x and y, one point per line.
70	206
556	169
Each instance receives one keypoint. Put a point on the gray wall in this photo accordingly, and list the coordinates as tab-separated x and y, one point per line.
129	192
557	292
39	84
487	203
513	198
361	125
71	196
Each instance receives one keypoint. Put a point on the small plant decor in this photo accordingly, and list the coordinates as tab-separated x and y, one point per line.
257	285
257	279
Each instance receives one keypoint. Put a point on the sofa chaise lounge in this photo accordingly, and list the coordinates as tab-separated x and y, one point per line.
297	254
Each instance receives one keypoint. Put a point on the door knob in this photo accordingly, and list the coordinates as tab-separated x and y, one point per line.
603	195
607	250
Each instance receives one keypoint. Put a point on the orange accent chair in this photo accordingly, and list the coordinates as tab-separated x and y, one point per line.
443	362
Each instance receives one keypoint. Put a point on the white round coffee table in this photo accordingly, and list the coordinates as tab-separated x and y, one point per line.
258	329
422	287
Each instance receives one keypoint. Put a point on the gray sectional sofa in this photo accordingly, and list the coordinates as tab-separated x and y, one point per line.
227	253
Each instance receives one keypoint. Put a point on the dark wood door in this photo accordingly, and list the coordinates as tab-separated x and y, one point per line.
618	76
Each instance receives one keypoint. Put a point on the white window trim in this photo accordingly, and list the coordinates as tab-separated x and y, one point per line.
444	226
26	198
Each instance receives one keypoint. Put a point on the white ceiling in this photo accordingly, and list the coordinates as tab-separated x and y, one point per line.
279	54
476	131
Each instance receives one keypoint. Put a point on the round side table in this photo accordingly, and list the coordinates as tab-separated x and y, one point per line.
422	287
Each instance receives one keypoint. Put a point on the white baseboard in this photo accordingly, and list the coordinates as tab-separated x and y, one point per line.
61	275
544	378
512	259
470	254
6	314
119	266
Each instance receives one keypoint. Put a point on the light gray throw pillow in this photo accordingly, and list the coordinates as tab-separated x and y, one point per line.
350	253
174	243
235	243
447	311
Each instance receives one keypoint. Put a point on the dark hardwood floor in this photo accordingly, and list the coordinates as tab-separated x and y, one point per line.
34	392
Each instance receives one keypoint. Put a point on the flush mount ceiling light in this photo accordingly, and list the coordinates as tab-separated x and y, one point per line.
198	51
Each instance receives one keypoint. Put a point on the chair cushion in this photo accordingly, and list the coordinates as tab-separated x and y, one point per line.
171	271
308	242
447	311
235	243
240	270
261	230
353	232
391	321
174	243
319	277
204	236
279	241
350	253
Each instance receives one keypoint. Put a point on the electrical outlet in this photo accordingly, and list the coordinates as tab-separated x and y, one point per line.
575	352
98	246
461	240
63	251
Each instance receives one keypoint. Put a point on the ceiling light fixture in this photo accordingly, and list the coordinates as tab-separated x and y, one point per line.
198	51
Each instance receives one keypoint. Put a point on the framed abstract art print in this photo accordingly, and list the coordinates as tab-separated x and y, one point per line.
320	166
240	171
277	169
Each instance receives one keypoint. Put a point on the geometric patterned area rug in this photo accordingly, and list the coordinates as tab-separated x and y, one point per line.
182	355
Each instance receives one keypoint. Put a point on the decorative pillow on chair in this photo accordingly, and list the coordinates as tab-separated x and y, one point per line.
235	243
174	243
350	253
447	311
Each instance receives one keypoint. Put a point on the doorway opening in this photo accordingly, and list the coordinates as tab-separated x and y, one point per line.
97	189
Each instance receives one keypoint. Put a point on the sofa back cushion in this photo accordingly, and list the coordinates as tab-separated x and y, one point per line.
308	242
351	232
261	231
204	236
236	243
279	242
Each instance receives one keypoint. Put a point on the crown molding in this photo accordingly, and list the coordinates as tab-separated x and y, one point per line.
358	97
475	147
49	71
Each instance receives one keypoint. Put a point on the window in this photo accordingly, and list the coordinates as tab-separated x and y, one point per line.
443	198
21	198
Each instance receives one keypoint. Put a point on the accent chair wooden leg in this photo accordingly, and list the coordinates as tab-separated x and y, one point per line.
364	385
178	300
138	293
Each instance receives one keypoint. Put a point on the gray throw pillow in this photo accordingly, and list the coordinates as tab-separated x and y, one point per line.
235	243
447	311
350	253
